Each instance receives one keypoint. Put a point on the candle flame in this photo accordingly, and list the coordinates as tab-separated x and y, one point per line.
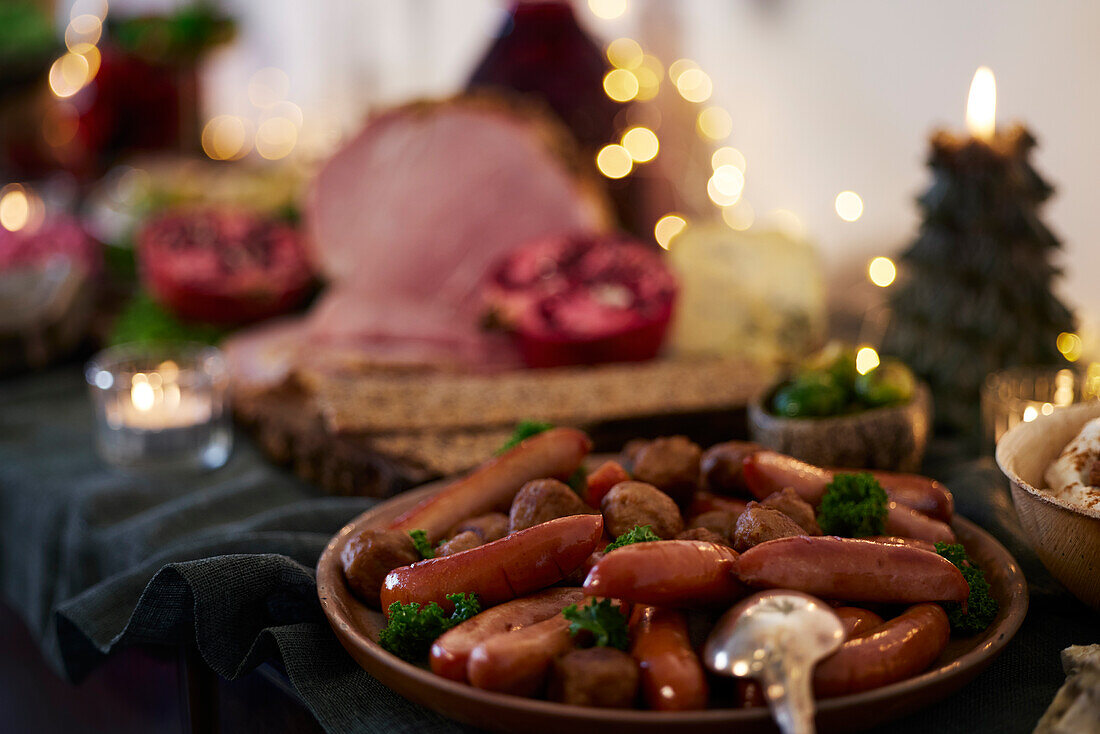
142	395
981	105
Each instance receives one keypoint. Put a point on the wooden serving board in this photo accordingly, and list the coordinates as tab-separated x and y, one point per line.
378	432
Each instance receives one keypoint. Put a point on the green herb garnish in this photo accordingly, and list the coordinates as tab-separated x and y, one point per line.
524	430
145	321
603	619
854	506
420	542
412	630
981	607
637	534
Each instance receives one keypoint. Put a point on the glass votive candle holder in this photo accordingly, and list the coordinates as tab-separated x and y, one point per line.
161	407
1022	394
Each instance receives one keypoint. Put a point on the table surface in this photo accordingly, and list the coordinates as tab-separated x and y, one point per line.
94	561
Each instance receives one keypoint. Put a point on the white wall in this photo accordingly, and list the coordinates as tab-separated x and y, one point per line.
825	95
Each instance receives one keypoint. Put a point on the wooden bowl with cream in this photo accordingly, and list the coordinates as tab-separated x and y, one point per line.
1064	530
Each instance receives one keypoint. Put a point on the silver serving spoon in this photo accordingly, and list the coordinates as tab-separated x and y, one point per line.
777	637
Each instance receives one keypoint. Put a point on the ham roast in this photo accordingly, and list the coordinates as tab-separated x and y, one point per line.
405	221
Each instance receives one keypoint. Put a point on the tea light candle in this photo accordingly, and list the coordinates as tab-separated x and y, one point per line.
161	407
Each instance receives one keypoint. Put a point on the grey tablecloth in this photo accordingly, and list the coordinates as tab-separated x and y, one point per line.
95	559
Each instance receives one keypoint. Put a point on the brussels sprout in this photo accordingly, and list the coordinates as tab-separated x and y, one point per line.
837	359
888	384
810	395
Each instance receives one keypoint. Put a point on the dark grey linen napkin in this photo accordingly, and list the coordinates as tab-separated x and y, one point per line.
94	559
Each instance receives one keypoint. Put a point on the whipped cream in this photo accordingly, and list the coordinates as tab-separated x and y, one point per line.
1071	477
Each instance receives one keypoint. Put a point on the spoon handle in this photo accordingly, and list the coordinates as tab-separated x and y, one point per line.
790	696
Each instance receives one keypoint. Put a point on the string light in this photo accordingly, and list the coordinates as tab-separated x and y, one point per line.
620	85
267	87
1070	345
882	271
715	123
866	360
667	228
15	208
649	78
727	156
625	53
614	161
225	138
725	185
69	74
849	206
641	143
607	9
678	67
275	138
1030	414
739	217
83	30
694	85
787	222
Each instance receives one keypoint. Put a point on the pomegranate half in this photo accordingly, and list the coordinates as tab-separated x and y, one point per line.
222	267
583	299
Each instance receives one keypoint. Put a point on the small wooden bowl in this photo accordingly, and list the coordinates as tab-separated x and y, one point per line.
891	438
1065	537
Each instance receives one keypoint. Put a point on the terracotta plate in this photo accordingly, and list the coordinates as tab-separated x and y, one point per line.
357	627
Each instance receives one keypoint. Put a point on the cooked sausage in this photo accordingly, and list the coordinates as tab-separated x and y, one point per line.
767	472
790	504
759	524
895	540
542	500
721	466
719	522
703	501
704	535
599	676
372	554
451	651
852	570
670	573
672	676
513	566
857	621
921	493
600	481
629	504
517	662
489	527
671	465
896	650
908	523
464	541
493	485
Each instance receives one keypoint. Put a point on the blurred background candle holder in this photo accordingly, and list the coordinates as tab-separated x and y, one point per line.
161	407
1022	394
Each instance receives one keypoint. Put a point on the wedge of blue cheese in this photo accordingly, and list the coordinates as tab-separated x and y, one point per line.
1076	707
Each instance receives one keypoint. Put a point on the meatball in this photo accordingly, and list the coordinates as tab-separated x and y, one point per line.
372	554
490	527
598	676
464	541
793	506
758	524
719	522
722	463
542	500
671	465
704	535
636	503
631	449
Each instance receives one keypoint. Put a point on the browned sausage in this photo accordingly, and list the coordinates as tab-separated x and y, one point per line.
895	540
672	676
908	523
895	650
517	662
852	570
600	481
921	493
513	566
668	573
452	649
493	485
857	621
